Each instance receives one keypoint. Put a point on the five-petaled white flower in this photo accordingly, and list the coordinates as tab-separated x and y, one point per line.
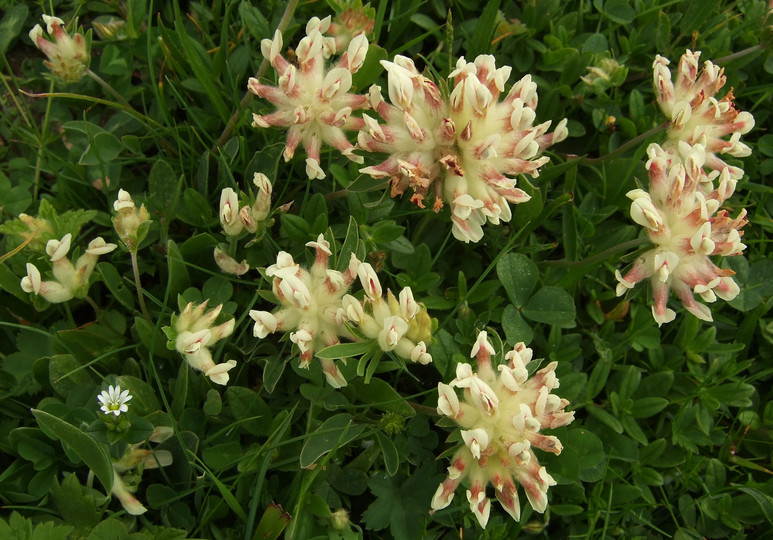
114	401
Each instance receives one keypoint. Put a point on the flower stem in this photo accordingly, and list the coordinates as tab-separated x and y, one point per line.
41	148
138	284
739	54
110	90
598	257
283	23
630	144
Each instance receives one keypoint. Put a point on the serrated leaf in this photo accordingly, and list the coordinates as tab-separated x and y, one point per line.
93	454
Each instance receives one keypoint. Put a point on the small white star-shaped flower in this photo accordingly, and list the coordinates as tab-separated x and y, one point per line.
114	401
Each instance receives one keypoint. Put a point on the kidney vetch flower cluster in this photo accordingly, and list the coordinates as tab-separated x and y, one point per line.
501	415
688	185
464	149
316	305
313	102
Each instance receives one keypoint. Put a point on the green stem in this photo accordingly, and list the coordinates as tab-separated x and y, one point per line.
42	145
110	90
598	257
283	23
739	54
138	284
630	144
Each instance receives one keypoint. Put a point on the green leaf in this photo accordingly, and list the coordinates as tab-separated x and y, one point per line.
272	523
344	350
93	454
116	284
619	11
551	305
402	502
649	406
14	199
250	409
214	404
103	147
223	456
178	279
196	210
389	453
164	187
481	38
180	391
272	371
12	23
765	501
65	373
76	503
595	43
518	275
195	54
335	432
144	400
516	329
254	21
663	34
733	394
295	227
381	395
605	418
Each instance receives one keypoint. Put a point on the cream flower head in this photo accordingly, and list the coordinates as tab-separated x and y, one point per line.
501	415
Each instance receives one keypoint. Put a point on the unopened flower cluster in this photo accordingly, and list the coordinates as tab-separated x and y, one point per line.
250	215
193	332
315	304
688	183
70	280
502	414
130	222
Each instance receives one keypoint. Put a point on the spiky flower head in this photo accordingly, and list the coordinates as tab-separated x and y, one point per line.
312	100
462	149
501	414
682	217
696	115
193	332
310	304
68	57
